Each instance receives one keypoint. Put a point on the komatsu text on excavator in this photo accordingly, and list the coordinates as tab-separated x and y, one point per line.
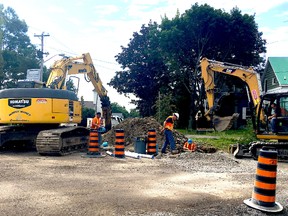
36	115
260	106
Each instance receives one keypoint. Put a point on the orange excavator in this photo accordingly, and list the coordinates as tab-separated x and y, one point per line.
259	108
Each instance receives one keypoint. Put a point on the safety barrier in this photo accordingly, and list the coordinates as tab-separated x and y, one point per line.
119	150
93	147
151	146
264	192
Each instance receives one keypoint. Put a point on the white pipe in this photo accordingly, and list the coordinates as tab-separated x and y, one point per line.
132	154
110	153
146	156
140	155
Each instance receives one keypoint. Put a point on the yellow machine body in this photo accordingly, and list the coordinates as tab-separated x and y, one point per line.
39	111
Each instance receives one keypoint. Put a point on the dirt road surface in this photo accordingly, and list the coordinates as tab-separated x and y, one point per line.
192	184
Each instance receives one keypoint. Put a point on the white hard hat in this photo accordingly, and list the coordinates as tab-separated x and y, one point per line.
176	114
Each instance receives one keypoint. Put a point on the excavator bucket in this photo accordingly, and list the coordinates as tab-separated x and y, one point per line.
224	123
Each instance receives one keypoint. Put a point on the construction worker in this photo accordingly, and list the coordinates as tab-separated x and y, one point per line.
189	145
97	123
168	126
272	117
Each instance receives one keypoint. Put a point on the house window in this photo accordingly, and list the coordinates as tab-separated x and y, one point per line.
274	81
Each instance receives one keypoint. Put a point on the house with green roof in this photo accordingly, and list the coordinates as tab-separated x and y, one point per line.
275	76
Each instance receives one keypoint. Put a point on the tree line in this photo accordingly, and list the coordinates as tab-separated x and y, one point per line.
160	64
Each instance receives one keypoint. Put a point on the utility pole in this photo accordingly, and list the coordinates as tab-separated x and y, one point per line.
42	52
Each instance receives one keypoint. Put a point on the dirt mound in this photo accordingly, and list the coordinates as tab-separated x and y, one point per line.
138	127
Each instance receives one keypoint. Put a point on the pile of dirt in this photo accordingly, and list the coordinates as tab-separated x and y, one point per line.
138	128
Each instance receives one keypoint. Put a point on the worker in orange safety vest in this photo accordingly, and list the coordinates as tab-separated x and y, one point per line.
168	126
189	145
97	123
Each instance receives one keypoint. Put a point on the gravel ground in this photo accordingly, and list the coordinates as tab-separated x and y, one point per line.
191	184
232	180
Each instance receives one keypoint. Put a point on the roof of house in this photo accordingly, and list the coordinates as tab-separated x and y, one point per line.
280	68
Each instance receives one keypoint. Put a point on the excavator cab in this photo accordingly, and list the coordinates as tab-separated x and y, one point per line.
281	119
30	84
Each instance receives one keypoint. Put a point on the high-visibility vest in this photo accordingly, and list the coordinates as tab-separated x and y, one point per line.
96	122
169	123
191	147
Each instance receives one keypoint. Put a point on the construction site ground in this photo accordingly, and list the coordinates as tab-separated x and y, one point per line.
205	182
190	184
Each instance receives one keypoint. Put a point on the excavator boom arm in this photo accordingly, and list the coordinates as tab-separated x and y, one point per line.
249	76
80	65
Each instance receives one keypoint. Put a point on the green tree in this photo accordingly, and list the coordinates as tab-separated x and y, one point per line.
163	107
142	67
165	58
116	108
46	73
134	113
86	113
17	51
205	31
1	41
70	86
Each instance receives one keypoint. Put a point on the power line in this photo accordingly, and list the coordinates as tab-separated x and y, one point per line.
106	68
58	41
105	61
76	54
69	52
96	65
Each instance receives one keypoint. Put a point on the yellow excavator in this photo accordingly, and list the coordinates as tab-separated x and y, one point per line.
250	78
71	66
260	104
35	116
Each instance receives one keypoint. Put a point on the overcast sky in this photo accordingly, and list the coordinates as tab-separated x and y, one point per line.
102	27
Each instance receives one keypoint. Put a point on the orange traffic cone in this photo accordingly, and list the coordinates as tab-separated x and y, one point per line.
151	147
119	151
93	146
264	193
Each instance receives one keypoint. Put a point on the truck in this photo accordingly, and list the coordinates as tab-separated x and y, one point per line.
44	116
259	105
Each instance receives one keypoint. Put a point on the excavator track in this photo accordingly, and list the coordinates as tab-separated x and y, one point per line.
62	141
18	135
282	149
253	149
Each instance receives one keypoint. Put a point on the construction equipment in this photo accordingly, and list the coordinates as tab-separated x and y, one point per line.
248	77
35	116
71	66
259	107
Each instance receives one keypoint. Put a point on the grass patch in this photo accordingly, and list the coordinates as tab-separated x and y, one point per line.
224	139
